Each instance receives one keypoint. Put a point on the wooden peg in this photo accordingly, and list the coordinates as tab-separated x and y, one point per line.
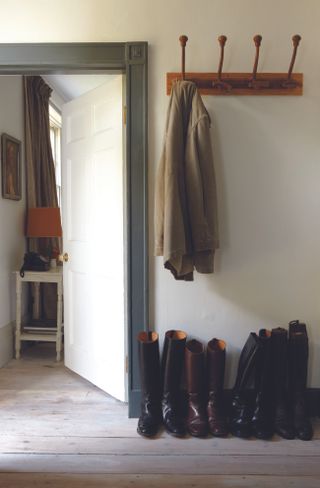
295	41
222	41
219	83
289	82
257	41
183	42
254	83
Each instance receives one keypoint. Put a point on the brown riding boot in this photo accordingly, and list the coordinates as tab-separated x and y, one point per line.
197	423
216	357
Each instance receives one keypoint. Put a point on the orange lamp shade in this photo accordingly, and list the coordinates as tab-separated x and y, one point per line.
44	222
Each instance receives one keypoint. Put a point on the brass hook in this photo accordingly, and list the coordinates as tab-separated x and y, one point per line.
257	41
254	83
222	41
296	41
220	83
183	41
289	82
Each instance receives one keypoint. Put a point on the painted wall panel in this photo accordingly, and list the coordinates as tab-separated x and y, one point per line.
12	213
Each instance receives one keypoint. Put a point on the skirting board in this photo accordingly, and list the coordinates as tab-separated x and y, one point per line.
6	344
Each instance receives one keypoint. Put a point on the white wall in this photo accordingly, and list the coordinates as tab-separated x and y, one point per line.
12	242
266	153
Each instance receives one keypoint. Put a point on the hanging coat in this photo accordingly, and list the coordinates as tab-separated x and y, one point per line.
186	226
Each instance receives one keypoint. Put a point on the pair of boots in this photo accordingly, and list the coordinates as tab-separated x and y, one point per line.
204	377
160	386
279	367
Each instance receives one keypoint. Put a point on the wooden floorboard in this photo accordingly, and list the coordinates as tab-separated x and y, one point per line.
36	444
160	464
50	480
58	430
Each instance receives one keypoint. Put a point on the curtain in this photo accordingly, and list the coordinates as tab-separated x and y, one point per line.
40	171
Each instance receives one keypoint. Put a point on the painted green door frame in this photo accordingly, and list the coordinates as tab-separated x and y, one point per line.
131	59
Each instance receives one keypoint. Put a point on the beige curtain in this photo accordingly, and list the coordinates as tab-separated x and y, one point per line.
41	181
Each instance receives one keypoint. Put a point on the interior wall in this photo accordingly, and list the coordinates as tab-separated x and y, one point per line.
12	213
266	154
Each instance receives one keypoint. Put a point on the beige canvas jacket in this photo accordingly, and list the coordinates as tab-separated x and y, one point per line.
186	226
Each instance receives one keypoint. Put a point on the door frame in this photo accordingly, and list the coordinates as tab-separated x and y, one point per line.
131	59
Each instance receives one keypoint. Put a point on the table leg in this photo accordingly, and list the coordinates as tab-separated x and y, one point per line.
18	317
36	301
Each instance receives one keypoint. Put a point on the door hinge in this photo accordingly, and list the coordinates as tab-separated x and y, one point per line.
127	364
125	115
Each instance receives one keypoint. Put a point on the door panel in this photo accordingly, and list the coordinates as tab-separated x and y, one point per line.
93	237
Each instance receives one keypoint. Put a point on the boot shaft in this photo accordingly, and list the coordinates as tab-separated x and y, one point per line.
216	360
247	362
149	362
173	360
263	372
296	326
279	353
298	356
195	366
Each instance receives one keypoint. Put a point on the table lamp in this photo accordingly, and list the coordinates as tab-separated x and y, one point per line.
44	222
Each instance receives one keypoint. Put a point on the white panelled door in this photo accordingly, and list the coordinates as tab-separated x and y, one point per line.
92	210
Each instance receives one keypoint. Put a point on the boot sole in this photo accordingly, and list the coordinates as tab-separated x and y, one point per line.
225	434
149	436
174	434
240	435
287	437
203	436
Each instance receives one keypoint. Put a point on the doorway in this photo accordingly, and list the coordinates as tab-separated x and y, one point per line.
131	60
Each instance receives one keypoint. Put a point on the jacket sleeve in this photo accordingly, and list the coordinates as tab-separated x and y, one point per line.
171	222
201	194
159	208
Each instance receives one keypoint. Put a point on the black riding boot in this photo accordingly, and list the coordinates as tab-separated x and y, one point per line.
279	351
262	424
149	362
172	367
298	369
241	407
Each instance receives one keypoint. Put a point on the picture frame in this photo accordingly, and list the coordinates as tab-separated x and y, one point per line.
11	167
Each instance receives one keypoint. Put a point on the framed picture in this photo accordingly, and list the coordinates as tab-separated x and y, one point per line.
11	167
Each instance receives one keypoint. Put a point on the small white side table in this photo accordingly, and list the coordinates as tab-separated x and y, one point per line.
48	334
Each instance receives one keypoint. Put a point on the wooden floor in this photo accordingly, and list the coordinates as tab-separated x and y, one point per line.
57	430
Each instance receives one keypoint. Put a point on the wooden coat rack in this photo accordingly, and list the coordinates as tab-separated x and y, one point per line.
254	84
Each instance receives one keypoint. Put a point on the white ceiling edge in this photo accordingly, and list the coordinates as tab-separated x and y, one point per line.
69	87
